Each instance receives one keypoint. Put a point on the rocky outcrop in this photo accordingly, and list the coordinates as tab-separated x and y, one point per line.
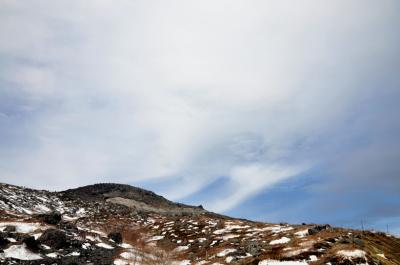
53	238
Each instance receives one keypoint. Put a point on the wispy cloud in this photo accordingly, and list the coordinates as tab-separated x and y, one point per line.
191	91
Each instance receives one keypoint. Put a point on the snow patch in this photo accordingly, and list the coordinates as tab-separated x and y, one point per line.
155	238
104	245
20	227
302	233
225	252
20	252
277	262
357	253
282	240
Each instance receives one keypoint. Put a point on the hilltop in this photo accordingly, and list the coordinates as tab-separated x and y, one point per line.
122	225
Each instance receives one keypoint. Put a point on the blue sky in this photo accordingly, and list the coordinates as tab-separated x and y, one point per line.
268	110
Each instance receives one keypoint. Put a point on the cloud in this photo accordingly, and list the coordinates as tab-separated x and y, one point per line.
191	91
248	180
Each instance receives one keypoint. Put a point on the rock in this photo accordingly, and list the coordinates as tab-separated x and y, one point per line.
3	241
330	240
53	238
51	218
358	242
316	229
254	248
10	229
116	237
31	243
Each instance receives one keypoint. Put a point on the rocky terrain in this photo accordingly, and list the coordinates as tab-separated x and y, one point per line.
123	225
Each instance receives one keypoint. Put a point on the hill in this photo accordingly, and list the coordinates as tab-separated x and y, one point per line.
122	225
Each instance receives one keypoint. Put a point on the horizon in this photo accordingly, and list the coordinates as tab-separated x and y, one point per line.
362	225
270	111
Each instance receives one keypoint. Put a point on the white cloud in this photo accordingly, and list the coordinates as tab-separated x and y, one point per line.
248	180
133	91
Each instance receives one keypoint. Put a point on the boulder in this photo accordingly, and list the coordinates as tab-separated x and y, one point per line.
10	229
116	237
52	218
31	243
254	248
3	241
53	238
316	229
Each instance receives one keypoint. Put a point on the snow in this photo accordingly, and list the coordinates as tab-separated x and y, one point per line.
75	253
302	233
3	205
357	253
91	238
86	245
20	227
229	259
37	235
27	211
104	245
20	252
382	256
279	229
42	208
229	236
277	262
69	218
229	228
155	238
100	233
125	245
120	262
313	258
181	262
181	248
295	252
43	199
225	252
81	212
129	255
282	240
45	246
52	255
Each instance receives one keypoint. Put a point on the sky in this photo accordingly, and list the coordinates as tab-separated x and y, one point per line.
279	111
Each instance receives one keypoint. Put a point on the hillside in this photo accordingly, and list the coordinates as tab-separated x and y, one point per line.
120	224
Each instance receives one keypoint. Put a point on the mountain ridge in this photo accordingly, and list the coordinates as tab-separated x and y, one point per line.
110	223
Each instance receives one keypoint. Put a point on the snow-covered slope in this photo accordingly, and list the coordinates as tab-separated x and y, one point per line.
119	224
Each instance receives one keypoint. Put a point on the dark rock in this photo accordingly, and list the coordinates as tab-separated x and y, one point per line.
358	242
331	240
31	243
345	241
3	241
53	238
51	218
116	237
10	229
254	248
316	229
